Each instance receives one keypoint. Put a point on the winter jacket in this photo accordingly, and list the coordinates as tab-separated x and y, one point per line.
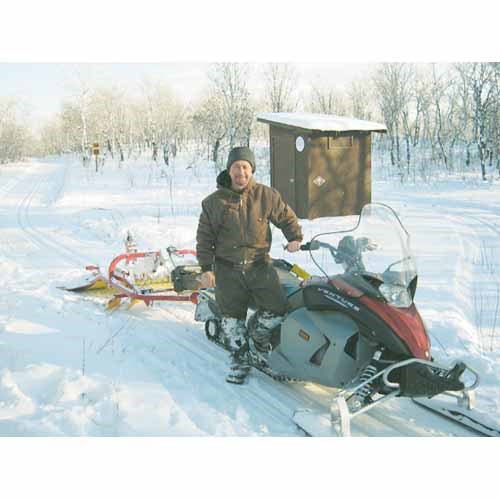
234	227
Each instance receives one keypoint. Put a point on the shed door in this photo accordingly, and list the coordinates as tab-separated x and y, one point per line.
284	167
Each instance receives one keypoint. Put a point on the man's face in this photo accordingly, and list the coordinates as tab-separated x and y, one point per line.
240	173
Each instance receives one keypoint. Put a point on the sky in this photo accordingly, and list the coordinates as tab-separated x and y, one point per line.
42	86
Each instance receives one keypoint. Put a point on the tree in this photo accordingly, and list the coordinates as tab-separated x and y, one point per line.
15	136
392	91
360	99
327	100
280	87
80	89
52	138
108	112
207	121
446	128
165	117
480	85
224	117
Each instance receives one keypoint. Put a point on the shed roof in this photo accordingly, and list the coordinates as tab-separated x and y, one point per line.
321	122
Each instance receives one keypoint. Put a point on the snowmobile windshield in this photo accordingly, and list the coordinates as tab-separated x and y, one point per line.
376	246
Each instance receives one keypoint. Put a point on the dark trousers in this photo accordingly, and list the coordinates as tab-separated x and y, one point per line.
256	283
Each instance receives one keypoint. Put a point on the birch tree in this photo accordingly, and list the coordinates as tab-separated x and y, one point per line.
80	87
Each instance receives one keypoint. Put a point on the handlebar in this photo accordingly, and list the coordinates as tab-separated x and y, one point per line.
311	245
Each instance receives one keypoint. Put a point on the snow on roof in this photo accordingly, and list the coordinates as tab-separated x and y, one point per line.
325	123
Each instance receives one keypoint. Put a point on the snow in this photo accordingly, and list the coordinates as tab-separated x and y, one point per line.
322	122
68	368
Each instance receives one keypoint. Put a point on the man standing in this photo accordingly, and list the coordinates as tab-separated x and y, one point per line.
233	242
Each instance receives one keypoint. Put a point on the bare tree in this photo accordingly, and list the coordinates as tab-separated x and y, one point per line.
229	83
52	138
107	108
446	127
280	89
15	136
327	100
224	117
480	85
207	121
392	90
80	87
360	99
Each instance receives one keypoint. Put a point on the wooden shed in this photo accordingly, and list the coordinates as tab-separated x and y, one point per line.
321	164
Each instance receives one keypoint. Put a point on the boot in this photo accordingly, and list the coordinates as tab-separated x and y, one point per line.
236	340
260	327
239	368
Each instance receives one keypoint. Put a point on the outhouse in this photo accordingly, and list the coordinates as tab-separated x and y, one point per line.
321	164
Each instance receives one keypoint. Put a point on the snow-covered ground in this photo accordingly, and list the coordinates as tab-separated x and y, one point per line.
69	368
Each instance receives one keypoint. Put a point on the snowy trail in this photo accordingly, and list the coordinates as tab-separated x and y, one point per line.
29	195
69	368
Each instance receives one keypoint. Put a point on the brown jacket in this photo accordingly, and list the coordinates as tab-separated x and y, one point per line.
235	226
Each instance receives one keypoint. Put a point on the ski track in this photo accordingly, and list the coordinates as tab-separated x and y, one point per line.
470	222
11	244
45	241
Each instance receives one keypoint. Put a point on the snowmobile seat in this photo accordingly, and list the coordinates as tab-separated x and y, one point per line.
292	290
289	283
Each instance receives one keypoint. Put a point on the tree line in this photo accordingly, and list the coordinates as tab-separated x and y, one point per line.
16	139
440	118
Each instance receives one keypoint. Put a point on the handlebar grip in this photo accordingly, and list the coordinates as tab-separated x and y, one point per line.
310	245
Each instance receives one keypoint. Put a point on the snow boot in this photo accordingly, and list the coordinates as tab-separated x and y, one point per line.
260	327
236	340
239	368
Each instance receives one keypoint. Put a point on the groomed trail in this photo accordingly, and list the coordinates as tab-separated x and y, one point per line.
69	368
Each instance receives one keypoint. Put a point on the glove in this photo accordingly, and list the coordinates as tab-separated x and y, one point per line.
207	280
293	246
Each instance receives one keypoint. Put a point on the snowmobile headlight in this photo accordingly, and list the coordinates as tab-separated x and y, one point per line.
396	295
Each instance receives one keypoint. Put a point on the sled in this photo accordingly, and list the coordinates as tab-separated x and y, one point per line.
146	277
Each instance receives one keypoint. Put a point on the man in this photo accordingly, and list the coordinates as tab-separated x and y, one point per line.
233	241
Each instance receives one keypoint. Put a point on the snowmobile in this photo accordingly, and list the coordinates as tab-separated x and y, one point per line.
354	327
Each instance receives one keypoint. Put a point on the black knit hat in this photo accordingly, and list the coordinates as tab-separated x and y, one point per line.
241	153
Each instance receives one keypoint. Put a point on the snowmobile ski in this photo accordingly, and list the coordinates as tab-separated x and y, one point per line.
472	419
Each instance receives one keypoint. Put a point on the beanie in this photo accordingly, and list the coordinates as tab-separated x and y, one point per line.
241	153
